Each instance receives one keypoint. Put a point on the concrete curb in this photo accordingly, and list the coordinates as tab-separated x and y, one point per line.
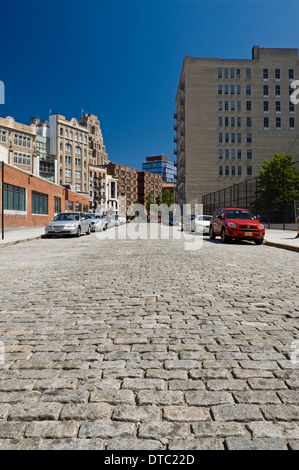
6	244
284	247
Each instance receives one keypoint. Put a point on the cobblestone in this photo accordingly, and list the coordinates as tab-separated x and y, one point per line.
135	347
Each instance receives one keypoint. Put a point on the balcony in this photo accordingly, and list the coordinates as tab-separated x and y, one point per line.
175	151
182	131
175	116
175	140
175	127
182	85
182	116
182	100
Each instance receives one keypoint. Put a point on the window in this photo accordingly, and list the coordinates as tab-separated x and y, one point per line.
291	90
238	89
225	73
81	138
226	120
266	90
239	121
68	148
220	170
239	105
239	171
277	90
266	106
292	123
227	170
68	160
232	122
220	121
291	74
232	89
219	105
226	89
233	170
220	90
78	162
232	105
277	74
219	73
226	105
233	154
277	106
226	154
85	139
14	198
61	132
239	73
239	154
249	154
239	138
249	170
291	107
220	138
57	204
78	151
71	135
66	134
39	203
232	73
265	74
248	73
248	105
266	123
220	154
249	122
76	136
233	138
248	90
226	138
278	123
249	138
2	136
68	173
22	159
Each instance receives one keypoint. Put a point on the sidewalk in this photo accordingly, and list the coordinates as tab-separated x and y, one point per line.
282	239
12	236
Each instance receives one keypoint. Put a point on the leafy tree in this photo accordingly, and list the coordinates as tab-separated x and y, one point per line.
168	197
148	202
278	183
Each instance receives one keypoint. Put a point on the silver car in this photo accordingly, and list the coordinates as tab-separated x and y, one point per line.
201	224
68	223
97	222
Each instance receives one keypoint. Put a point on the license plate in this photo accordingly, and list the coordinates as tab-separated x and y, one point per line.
248	234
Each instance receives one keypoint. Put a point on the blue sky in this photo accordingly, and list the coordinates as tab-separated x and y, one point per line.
121	59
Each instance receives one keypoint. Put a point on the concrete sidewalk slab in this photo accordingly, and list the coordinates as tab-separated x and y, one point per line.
12	236
282	239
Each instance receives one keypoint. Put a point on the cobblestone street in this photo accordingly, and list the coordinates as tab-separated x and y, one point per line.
122	344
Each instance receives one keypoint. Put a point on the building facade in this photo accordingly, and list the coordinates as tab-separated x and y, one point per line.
97	151
230	116
162	166
69	145
149	183
127	183
20	142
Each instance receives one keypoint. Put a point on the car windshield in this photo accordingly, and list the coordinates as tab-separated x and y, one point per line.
92	216
66	217
239	214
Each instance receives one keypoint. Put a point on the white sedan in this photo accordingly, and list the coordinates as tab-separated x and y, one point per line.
201	224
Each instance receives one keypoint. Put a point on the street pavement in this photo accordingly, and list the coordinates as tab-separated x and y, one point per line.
148	344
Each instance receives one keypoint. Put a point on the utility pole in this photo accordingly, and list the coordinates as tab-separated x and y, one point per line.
2	198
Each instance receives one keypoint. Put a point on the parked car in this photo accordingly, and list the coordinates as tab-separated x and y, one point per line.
97	222
239	224
119	219
68	223
108	221
201	224
186	223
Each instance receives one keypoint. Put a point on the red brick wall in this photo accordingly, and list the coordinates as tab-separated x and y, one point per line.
17	177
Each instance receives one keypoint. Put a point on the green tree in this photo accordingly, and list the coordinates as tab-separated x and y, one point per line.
148	202
168	198
278	183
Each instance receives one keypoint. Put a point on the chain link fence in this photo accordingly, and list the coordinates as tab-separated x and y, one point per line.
271	203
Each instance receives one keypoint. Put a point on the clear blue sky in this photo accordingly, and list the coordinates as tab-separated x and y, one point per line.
121	59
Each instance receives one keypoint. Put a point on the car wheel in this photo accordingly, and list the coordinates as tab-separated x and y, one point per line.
88	231
79	232
260	241
212	234
223	236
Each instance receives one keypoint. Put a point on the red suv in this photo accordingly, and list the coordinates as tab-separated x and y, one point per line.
239	224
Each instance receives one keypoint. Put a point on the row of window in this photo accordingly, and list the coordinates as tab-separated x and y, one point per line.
233	90
232	73
22	141
232	138
278	123
15	200
233	170
3	135
233	154
233	105
233	121
68	173
70	135
277	90
22	159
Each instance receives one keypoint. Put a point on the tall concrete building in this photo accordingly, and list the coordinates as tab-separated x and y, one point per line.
97	151
231	115
69	145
